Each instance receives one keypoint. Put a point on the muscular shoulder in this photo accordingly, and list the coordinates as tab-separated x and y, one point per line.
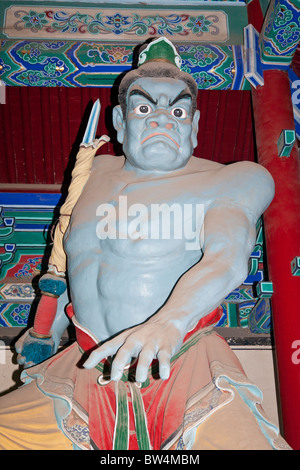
248	175
202	165
247	184
108	162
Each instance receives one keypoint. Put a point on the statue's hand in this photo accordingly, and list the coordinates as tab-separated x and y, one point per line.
148	341
32	351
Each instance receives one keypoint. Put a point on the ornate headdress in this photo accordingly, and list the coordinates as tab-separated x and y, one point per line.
160	50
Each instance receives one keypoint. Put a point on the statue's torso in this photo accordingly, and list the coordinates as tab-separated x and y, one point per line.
119	281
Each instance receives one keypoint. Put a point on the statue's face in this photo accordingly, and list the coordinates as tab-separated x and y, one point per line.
158	133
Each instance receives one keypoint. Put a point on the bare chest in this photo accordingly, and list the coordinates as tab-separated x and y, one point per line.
144	221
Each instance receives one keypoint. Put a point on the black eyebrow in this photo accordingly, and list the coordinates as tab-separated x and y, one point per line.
136	91
182	95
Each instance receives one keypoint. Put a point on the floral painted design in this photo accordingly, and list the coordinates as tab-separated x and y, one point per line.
199	24
68	21
117	55
35	20
11	291
117	22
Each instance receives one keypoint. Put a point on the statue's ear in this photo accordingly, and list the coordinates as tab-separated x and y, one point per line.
119	123
195	125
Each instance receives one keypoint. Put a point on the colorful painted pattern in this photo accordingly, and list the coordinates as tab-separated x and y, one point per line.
59	46
79	64
211	67
13	291
25	220
260	316
22	21
281	31
14	314
295	91
25	244
247	306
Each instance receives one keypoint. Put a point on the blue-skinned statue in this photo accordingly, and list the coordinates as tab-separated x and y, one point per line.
155	241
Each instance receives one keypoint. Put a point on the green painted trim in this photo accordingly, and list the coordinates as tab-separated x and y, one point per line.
204	5
275	59
32	216
25	239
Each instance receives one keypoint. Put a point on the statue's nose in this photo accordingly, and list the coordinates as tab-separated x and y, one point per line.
161	119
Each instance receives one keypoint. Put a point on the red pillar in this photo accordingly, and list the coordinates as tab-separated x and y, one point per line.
273	112
255	14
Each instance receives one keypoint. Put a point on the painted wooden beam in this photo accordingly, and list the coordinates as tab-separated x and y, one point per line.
280	34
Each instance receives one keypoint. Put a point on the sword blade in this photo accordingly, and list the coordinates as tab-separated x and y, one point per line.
91	128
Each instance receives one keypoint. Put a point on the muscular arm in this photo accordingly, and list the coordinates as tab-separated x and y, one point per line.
229	237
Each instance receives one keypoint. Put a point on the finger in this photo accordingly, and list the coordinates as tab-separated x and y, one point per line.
145	358
95	357
120	361
105	350
126	353
164	364
21	359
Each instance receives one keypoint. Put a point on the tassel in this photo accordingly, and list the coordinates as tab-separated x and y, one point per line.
36	351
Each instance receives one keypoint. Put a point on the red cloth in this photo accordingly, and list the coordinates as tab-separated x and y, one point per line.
158	401
167	406
87	343
205	377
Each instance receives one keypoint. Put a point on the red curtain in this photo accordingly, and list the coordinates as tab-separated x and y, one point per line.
41	129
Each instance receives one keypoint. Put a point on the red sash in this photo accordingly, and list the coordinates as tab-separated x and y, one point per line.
88	342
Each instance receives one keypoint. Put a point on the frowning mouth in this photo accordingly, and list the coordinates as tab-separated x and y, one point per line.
162	134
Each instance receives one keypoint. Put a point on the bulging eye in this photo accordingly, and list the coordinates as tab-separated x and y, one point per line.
179	113
142	109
